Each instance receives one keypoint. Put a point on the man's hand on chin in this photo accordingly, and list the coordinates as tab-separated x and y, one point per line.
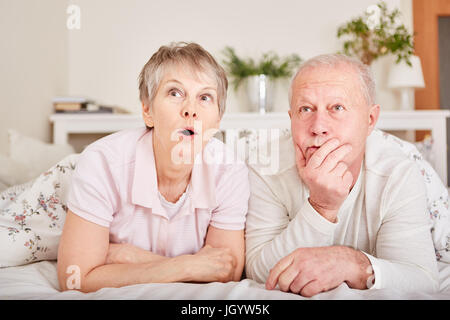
309	271
326	176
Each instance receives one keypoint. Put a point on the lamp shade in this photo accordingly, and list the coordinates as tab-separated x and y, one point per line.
402	75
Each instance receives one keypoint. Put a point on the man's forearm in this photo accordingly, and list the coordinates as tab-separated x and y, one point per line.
306	229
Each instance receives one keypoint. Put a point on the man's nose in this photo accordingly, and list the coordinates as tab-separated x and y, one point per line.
320	124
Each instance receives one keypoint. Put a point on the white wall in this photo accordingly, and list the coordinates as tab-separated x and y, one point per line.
33	65
116	38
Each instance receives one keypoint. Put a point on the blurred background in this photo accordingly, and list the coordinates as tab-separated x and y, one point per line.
95	49
42	58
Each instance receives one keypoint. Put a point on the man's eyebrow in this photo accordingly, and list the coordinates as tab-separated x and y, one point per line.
300	101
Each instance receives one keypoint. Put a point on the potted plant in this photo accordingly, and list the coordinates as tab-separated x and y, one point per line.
259	76
376	33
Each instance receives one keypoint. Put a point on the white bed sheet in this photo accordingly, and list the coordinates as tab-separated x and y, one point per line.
39	281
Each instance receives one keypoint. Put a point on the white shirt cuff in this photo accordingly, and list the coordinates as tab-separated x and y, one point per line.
374	281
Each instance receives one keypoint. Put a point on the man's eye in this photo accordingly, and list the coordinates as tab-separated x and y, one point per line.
338	107
305	109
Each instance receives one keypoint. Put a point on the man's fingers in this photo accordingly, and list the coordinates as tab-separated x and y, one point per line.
340	169
319	156
334	157
299	282
286	277
272	279
311	289
348	178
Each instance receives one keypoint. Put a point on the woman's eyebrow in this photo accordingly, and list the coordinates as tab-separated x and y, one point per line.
180	83
172	80
209	88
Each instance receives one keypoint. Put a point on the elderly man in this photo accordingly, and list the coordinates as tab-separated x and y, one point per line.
344	206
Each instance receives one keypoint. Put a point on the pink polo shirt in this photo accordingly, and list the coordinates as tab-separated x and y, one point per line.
115	185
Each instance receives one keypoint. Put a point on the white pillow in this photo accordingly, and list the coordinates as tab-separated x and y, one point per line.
13	172
3	186
37	155
32	216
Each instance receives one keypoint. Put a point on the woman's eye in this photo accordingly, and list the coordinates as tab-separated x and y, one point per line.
175	93
206	97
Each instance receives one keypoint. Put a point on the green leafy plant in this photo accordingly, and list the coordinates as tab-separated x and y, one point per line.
376	33
270	64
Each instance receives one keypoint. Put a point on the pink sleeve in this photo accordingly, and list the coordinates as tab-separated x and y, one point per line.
232	194
93	194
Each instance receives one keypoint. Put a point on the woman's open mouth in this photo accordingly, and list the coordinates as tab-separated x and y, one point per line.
188	132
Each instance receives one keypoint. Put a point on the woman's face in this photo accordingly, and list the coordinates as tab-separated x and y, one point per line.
184	113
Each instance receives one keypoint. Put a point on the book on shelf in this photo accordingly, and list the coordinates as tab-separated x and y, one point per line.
63	104
100	109
67	99
82	105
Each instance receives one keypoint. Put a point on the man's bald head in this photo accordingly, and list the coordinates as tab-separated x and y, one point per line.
362	71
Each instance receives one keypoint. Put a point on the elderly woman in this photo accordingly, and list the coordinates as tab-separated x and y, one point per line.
162	203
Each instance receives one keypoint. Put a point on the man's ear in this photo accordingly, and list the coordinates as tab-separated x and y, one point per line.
147	115
374	113
290	114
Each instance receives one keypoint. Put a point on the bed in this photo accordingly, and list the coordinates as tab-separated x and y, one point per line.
32	215
38	281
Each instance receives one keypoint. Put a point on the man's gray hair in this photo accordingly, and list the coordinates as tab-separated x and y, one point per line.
332	60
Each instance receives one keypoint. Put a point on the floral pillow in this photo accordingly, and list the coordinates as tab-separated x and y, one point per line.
437	197
32	216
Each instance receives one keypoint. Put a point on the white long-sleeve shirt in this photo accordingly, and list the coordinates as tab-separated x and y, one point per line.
384	216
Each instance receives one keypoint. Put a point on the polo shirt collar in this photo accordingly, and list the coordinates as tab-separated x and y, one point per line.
144	190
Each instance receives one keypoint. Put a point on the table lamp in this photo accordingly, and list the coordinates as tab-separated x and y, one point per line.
405	78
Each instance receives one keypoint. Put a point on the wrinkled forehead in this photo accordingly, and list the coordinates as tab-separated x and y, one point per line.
339	81
200	72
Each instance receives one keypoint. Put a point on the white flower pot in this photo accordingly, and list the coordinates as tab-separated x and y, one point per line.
260	91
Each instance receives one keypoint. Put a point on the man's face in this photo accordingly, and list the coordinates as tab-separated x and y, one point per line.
329	103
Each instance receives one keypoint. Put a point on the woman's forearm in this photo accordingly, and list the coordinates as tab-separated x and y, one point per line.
119	253
207	265
119	275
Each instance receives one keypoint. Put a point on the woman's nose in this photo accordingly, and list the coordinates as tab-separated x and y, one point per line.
189	111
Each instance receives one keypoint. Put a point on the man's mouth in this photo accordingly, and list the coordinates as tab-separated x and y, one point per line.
310	151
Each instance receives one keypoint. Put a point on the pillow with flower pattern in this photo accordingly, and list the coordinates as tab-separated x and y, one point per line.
437	197
32	216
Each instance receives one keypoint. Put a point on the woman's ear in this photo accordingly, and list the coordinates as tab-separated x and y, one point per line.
147	115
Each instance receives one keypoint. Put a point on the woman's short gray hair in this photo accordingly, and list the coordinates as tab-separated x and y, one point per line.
188	54
331	60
